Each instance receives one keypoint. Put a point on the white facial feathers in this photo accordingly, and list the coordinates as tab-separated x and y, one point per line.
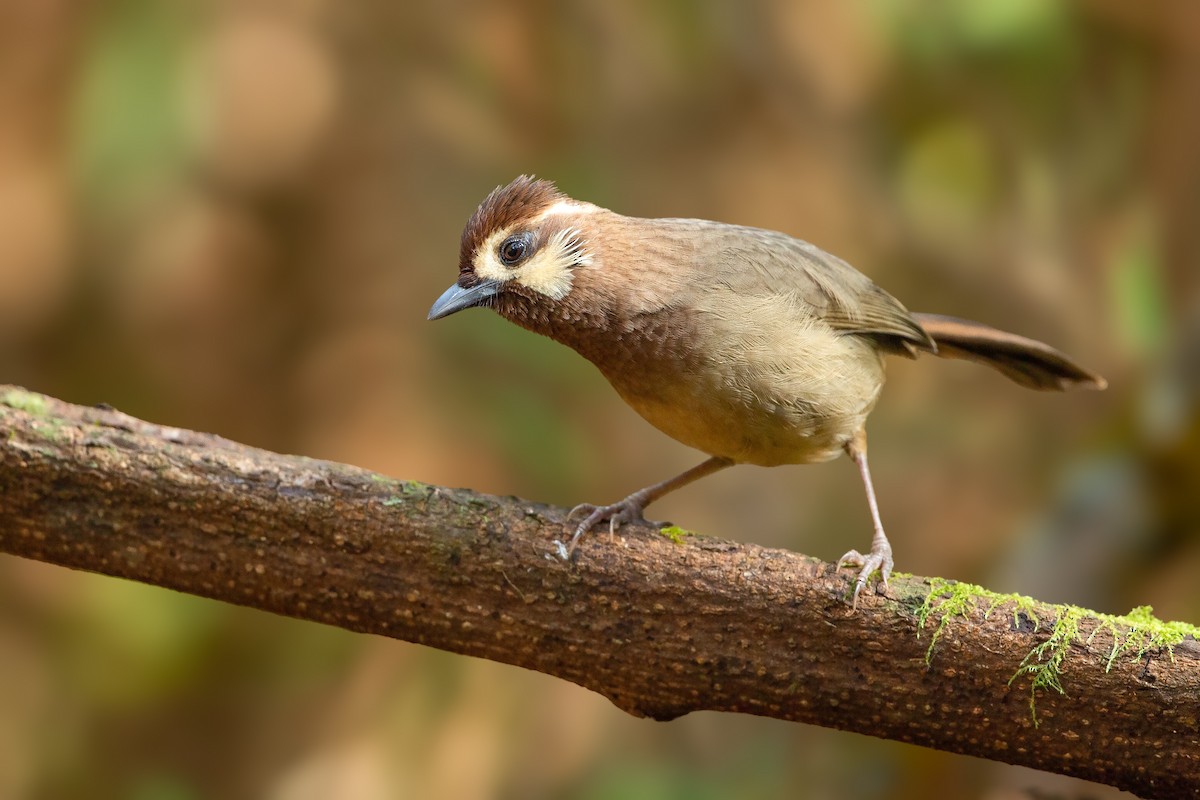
568	246
549	270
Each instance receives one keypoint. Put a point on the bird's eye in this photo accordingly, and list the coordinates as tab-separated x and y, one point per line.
514	248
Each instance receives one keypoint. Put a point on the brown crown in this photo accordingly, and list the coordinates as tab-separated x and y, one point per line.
505	206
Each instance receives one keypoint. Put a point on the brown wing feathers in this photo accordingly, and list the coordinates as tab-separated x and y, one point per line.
1026	361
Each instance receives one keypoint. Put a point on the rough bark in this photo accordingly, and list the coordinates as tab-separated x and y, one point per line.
659	627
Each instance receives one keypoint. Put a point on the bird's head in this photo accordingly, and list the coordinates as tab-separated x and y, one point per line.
523	243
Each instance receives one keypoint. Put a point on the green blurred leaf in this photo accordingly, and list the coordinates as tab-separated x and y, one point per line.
160	786
947	177
952	28
1001	24
1138	290
655	782
136	642
129	116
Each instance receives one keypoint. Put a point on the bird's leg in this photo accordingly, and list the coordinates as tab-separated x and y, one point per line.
630	509
880	557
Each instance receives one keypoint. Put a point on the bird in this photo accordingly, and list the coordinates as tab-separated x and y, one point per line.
746	344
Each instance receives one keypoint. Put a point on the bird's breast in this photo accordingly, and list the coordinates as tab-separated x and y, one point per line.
741	380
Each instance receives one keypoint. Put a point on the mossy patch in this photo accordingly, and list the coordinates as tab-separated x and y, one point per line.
949	599
413	490
48	426
29	402
52	429
408	490
1129	635
675	533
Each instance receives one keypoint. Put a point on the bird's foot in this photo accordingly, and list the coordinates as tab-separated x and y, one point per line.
628	511
880	558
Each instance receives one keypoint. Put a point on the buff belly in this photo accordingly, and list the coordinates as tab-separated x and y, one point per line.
761	413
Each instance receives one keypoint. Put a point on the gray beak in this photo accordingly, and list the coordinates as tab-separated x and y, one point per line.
457	298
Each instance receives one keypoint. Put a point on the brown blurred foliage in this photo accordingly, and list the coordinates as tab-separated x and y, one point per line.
233	217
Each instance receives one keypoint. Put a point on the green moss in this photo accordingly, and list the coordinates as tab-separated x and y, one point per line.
947	599
47	425
675	533
1130	635
1044	663
51	428
408	490
28	402
1146	632
415	489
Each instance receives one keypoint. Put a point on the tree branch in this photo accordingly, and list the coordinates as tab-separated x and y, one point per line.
659	627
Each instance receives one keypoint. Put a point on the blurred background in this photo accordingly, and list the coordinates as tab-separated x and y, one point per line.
233	216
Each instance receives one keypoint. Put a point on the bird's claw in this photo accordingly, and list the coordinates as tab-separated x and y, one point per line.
586	508
628	511
880	558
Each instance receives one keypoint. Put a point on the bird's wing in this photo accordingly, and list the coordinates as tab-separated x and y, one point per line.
760	261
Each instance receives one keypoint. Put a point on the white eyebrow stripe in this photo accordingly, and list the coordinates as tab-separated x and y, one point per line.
568	207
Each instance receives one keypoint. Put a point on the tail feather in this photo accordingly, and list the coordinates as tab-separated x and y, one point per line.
1026	361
